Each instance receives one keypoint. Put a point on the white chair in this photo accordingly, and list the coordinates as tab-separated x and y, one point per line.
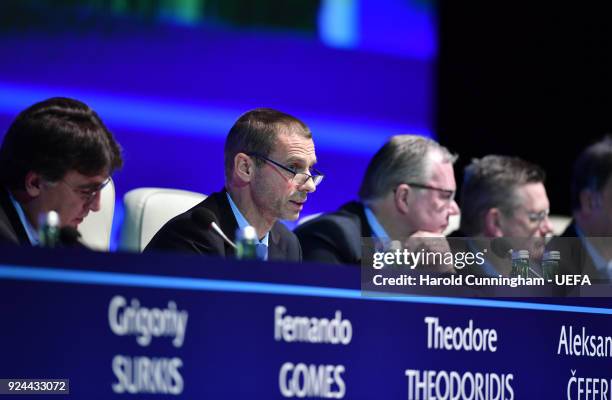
148	209
96	228
454	221
559	223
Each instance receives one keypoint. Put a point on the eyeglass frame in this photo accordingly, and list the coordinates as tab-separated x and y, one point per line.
86	194
450	193
538	217
314	178
534	217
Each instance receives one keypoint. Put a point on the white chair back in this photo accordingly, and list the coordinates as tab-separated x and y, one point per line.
559	223
148	209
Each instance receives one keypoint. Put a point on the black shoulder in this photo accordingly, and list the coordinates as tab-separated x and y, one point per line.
183	234
331	238
286	244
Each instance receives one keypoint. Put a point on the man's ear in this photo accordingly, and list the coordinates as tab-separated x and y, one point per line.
244	167
32	182
403	194
493	223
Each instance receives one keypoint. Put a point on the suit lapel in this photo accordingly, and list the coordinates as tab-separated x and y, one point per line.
357	208
583	263
275	251
366	230
10	223
227	220
229	225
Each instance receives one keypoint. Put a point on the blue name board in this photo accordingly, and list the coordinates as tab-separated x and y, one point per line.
128	326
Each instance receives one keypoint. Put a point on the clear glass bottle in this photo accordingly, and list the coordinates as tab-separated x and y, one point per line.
520	263
49	229
246	243
550	264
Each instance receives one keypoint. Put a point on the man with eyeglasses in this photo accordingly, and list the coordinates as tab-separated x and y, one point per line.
407	192
504	197
269	172
56	156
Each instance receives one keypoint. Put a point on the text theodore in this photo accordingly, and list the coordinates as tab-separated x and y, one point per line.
459	385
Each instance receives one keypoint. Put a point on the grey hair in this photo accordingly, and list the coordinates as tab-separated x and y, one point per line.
491	182
404	158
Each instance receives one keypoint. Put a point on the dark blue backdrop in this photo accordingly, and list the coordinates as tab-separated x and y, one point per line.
170	93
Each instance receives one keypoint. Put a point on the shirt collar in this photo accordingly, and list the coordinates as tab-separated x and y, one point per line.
30	231
377	228
242	222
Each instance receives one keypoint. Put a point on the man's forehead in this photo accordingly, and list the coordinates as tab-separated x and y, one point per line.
295	147
442	172
77	178
533	196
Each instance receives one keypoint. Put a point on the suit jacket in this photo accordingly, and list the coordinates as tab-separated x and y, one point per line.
11	228
575	258
182	233
335	238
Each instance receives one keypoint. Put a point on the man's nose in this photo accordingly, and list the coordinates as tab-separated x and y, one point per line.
94	204
546	226
453	208
308	186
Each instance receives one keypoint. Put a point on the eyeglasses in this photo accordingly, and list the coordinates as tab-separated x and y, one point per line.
538	217
299	178
450	194
87	195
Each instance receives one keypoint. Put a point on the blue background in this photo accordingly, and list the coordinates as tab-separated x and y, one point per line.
170	86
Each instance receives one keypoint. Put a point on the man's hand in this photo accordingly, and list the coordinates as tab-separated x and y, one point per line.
435	249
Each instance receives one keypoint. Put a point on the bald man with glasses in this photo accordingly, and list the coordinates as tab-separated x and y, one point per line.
269	173
408	192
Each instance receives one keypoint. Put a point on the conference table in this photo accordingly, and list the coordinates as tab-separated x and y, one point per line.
118	325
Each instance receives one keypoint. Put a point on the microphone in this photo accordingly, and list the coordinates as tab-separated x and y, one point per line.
501	247
205	217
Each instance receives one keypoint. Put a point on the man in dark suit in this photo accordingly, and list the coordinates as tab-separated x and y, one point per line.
269	159
407	192
586	244
56	156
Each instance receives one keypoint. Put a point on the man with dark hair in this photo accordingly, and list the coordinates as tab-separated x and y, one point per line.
408	191
269	159
505	196
56	156
591	192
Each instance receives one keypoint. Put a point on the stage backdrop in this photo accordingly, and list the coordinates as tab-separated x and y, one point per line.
170	80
